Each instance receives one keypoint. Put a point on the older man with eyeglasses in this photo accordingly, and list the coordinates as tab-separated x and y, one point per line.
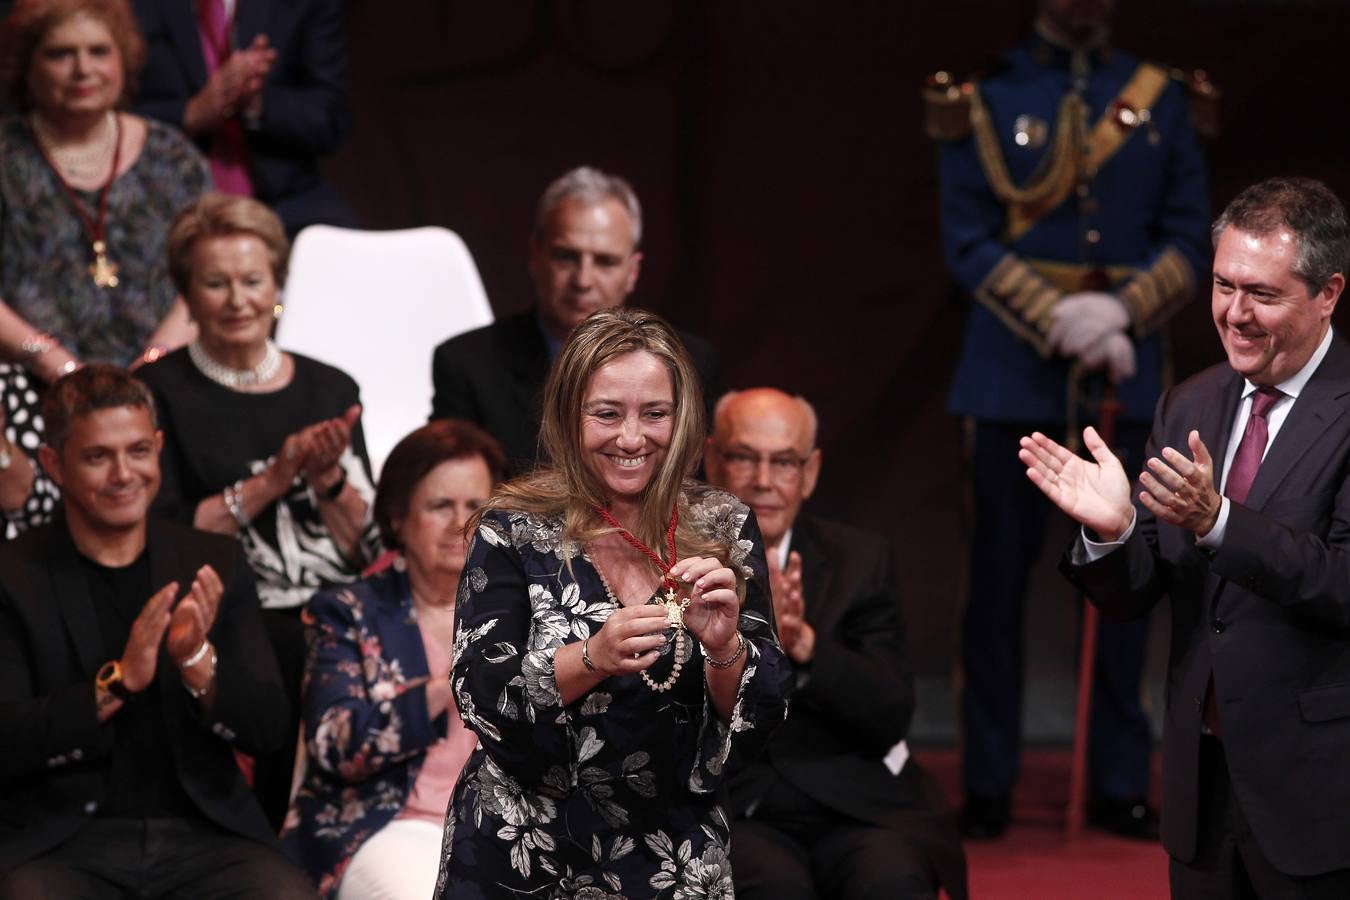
835	807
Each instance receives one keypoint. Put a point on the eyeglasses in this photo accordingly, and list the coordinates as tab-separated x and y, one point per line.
744	464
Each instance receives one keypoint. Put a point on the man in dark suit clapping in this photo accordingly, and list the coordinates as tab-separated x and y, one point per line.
836	807
1241	518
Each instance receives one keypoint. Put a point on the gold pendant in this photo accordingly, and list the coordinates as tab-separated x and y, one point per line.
675	608
103	269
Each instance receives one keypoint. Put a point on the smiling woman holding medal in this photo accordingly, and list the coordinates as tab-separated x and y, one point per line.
87	193
614	638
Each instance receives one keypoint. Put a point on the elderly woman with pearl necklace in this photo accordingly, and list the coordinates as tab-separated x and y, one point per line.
259	443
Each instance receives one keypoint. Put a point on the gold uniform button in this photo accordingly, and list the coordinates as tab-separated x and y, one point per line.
1094	236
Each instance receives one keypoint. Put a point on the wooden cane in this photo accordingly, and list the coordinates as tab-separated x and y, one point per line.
1087	659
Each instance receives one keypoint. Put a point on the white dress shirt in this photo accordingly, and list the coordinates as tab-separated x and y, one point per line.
1290	388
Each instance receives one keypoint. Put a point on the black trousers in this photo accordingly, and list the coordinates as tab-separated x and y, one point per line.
148	859
1228	864
795	849
1010	521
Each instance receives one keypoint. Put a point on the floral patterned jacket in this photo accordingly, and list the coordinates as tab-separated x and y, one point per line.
616	794
367	727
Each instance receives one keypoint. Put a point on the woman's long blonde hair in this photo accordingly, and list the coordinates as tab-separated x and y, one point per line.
567	487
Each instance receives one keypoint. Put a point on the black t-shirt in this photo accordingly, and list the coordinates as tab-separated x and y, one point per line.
214	436
142	776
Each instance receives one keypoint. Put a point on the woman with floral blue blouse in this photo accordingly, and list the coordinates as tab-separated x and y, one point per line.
614	643
385	741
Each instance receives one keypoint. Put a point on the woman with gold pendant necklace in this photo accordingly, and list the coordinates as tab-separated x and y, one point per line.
87	193
614	641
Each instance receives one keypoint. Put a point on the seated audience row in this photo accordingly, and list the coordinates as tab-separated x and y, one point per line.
384	737
261	444
115	250
88	189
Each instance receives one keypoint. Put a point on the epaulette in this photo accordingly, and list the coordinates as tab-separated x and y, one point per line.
1203	96
946	104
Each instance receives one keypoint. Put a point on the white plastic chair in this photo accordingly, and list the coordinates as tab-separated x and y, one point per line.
375	304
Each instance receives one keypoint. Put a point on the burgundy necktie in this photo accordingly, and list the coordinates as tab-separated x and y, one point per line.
1240	477
227	153
1252	446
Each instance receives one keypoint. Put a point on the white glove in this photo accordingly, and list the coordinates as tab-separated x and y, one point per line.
1115	352
1081	320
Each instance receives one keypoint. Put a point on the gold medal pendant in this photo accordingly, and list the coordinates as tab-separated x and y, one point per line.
103	269
675	608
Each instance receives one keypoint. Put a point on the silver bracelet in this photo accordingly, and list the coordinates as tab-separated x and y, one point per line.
196	657
586	655
234	502
730	660
210	679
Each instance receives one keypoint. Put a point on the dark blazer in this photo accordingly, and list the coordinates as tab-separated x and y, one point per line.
305	112
366	722
1268	614
52	747
854	702
494	376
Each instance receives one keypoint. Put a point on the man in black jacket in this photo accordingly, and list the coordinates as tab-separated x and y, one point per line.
1241	519
119	715
584	256
836	807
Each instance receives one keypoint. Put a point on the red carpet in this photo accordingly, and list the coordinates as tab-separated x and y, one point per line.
1035	860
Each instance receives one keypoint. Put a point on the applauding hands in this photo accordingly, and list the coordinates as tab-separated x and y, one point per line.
315	453
1096	493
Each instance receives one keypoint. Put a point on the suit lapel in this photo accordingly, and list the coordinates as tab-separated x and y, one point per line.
250	20
1215	424
528	362
1319	405
180	16
72	597
817	572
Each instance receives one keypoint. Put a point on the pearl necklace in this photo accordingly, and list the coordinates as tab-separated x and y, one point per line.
674	620
78	164
236	378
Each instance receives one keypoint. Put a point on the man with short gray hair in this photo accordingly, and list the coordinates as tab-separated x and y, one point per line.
584	255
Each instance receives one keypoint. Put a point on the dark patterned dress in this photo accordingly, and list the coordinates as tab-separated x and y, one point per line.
615	794
45	252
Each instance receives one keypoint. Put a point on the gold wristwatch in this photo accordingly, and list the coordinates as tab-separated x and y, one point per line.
109	678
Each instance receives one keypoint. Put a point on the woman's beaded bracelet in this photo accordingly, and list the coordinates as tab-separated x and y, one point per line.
730	660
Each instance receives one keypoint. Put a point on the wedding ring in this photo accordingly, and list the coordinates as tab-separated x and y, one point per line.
636	654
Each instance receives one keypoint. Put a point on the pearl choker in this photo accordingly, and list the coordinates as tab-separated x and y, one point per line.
236	378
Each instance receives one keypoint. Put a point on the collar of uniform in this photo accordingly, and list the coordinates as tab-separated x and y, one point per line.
1053	50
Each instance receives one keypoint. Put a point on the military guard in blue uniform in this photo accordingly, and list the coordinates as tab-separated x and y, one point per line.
1075	213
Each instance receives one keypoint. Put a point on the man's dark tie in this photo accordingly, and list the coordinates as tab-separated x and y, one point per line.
1252	447
1240	477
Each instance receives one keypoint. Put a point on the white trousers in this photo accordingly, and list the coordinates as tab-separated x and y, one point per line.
399	862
